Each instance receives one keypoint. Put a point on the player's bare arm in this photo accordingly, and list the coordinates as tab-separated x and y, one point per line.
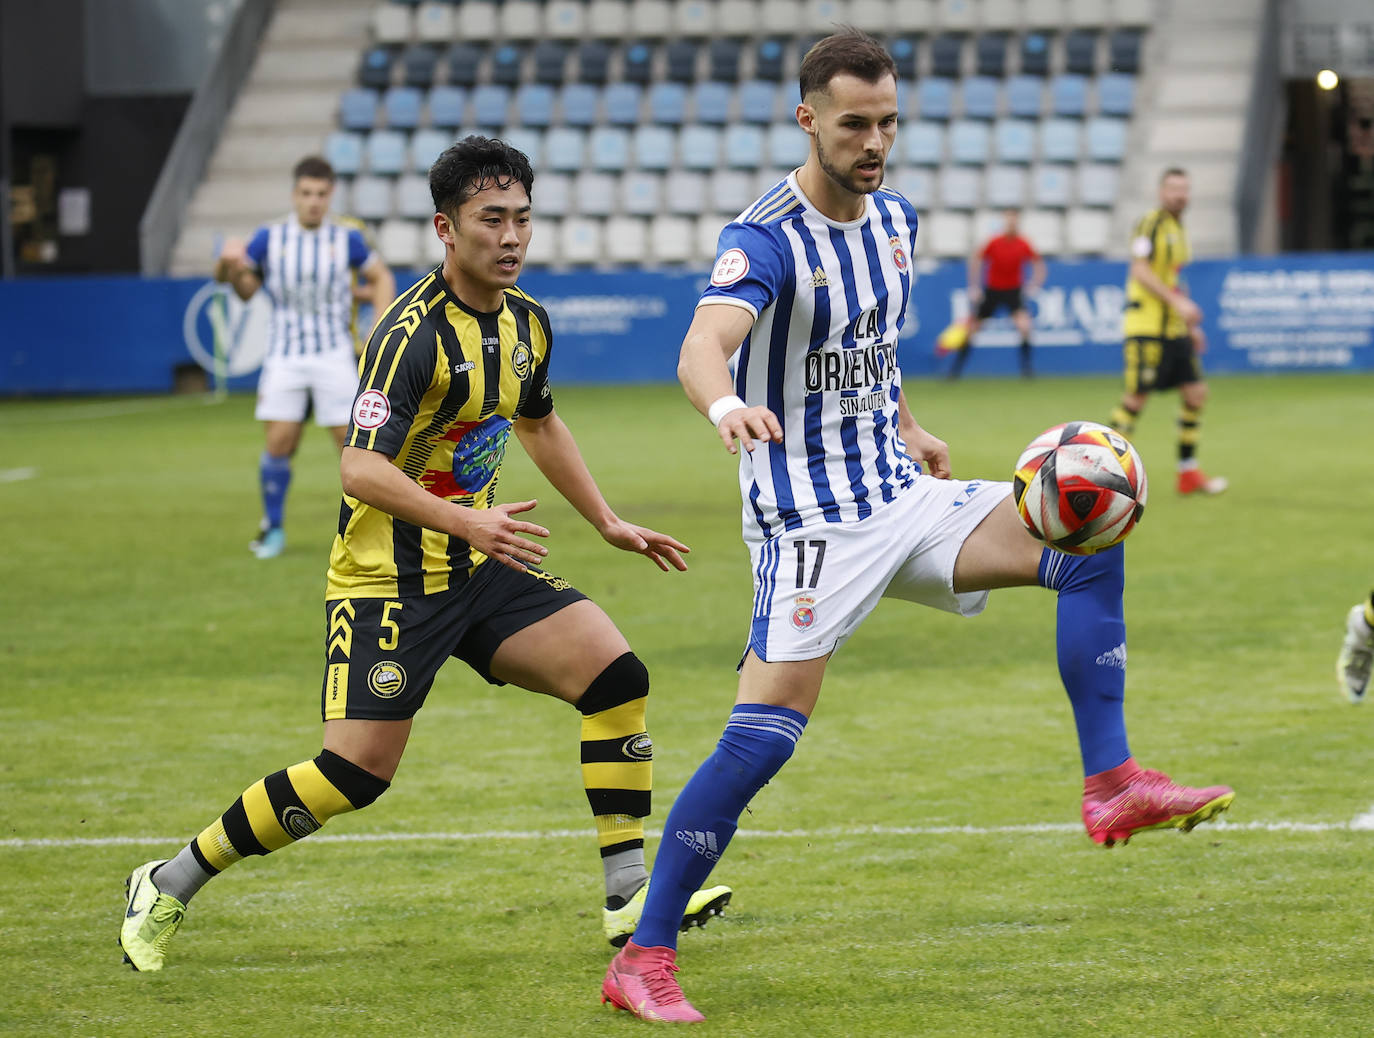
927	448
550	444
370	477
703	369
1173	298
1038	274
232	267
975	277
379	284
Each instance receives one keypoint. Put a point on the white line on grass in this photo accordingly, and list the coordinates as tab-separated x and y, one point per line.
1362	823
17	475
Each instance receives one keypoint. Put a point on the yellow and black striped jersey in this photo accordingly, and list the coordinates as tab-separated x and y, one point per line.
1159	238
440	384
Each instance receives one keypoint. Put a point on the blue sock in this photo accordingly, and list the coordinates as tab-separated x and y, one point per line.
756	743
275	476
1091	641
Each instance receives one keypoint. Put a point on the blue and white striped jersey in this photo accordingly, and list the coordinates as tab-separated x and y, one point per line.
306	274
829	300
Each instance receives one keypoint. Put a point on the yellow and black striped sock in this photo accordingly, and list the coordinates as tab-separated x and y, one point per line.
1189	431
618	771
1123	419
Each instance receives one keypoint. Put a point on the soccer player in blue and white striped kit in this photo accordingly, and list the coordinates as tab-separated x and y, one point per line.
808	293
305	262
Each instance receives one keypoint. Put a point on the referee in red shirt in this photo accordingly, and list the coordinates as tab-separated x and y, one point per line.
996	273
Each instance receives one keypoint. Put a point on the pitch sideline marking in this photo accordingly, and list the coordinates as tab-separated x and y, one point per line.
1361	823
17	475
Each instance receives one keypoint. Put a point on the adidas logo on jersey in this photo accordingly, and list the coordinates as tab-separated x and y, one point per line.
1114	657
818	279
703	843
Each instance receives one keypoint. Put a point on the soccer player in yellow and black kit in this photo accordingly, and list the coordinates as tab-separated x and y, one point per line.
427	565
1163	337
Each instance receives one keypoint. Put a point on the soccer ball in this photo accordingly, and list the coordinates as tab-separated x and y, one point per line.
1080	487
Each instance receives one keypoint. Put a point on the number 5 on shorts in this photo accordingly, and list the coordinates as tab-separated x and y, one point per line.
393	638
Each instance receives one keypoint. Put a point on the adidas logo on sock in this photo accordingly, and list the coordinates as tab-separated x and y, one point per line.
703	843
1114	657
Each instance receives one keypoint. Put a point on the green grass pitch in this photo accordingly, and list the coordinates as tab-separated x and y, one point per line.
917	869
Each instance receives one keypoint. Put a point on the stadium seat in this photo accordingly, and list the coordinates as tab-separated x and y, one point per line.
960	187
906	100
783	17
1123	51
873	17
391	23
564	149
651	19
699	147
681	61
358	109
1013	140
426	146
622	103
1044	14
1002	14
1035	54
1045	229
593	61
344	151
578	104
903	51
477	20
957	14
418	64
627	239
1098	185
594	193
1088	12
731	190
434	21
671	239
744	147
1052	187
946	55
399	241
913	16
505	65
447	106
547	230
918	185
685	191
1060	140
934	98
610	148
1106	139
987	223
1069	95
462	61
534	104
385	152
1088	231
580	240
981	97
370	198
413	199
788	147
694	18
707	236
553	194
767	178
638	64
608	18
758	101
1080	52
653	147
723	60
529	139
711	103
1132	12
667	104
922	143
968	142
1116	94
1006	187
1025	96
565	19
401	107
550	62
374	68
990	55
490	105
822	16
521	19
947	233
641	194
768	60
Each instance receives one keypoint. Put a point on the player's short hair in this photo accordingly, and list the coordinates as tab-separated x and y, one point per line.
314	167
474	164
1172	171
850	51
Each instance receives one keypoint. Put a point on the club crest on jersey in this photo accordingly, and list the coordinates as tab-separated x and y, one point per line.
803	612
371	410
520	361
387	679
898	253
732	265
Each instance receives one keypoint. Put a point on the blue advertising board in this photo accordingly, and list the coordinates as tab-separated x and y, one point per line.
130	335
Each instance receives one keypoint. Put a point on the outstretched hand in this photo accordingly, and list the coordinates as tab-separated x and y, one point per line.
498	535
658	547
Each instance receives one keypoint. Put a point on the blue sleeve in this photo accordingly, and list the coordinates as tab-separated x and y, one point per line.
750	267
257	247
357	249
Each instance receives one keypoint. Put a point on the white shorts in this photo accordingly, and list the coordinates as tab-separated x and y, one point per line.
289	386
814	586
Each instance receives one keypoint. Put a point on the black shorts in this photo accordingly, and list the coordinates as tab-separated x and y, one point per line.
1160	363
381	654
995	299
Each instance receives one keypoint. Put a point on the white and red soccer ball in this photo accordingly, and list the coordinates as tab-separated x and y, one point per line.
1080	487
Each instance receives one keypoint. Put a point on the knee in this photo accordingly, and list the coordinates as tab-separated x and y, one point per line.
358	786
1195	396
624	680
1104	570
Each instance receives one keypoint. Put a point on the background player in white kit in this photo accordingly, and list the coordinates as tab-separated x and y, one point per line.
305	263
810	288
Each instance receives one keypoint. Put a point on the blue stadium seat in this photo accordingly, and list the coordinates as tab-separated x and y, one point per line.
744	149
668	104
723	57
1080	52
711	103
946	52
699	147
534	104
344	151
418	63
374	68
990	55
550	60
401	107
1106	139
358	109
1097	185
622	101
371	198
1123	51
564	148
610	148
641	194
653	147
768	60
1116	94
505	65
934	98
638	64
918	185
1035	54
923	143
903	52
593	61
980	97
529	139
968	142
788	147
1069	95
1060	140
1014	140
447	105
578	103
758	101
1052	187
462	61
682	61
1006	187
1025	96
490	105
906	99
385	151
426	146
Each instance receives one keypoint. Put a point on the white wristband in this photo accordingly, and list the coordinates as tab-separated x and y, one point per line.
722	407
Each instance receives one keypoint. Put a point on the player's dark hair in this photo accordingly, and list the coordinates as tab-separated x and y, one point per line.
1172	171
474	164
850	51
314	167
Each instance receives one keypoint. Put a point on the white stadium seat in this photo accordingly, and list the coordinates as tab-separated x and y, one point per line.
399	241
608	17
391	23
671	239
627	239
648	18
1089	231
1044	228
948	234
957	14
434	22
564	19
543	249
694	17
594	193
872	16
824	16
552	194
521	19
708	230
1044	14
686	192
580	240
780	16
913	15
641	194
1001	14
